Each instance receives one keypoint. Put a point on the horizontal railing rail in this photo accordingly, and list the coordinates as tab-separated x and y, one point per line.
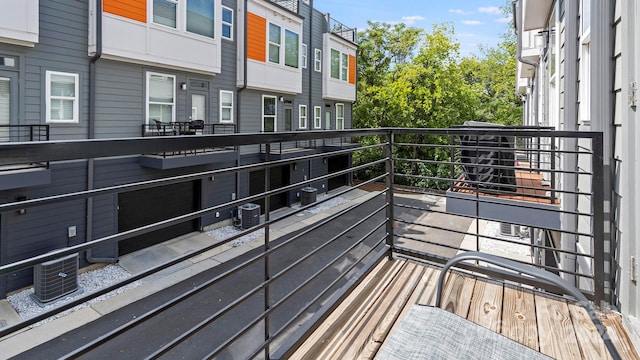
23	133
425	201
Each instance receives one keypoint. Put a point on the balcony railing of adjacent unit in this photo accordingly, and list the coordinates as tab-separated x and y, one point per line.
338	28
291	5
303	264
23	133
187	128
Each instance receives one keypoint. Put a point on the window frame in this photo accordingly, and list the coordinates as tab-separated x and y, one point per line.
177	5
317	60
224	23
222	106
275	112
182	23
302	119
147	102
303	56
49	97
339	119
297	49
278	44
317	117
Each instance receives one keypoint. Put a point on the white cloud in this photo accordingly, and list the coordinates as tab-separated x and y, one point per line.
490	10
410	20
460	12
472	22
504	20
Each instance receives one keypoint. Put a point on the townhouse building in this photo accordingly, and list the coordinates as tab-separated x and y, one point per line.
578	70
104	69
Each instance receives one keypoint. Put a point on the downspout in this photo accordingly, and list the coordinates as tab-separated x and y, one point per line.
569	201
517	24
92	133
238	102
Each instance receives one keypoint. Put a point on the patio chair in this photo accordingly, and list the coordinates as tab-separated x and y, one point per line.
430	332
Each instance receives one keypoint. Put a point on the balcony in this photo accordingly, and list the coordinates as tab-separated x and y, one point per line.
182	158
345	32
338	282
19	174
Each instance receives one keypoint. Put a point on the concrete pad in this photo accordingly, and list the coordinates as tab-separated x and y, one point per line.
231	254
191	243
211	253
14	345
8	316
142	260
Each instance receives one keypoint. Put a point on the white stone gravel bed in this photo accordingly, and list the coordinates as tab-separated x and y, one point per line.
225	232
89	281
503	248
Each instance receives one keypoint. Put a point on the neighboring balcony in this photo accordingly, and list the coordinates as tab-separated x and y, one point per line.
182	158
24	174
339	61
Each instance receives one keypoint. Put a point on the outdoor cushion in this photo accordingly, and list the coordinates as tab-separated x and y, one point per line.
427	332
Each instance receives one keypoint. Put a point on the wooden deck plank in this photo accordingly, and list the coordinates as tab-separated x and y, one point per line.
590	342
457	294
428	294
519	317
323	337
486	305
555	329
375	327
619	337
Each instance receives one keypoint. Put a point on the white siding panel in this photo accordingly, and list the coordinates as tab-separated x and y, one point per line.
19	22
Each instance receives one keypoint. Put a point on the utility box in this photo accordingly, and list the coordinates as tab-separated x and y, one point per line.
308	195
249	215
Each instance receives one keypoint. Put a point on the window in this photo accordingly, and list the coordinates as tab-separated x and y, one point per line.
200	17
344	74
339	65
194	16
317	117
340	116
269	113
227	23
303	56
160	98
226	106
291	48
164	12
274	43
302	116
62	97
317	60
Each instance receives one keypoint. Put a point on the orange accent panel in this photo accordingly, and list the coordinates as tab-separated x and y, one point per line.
352	69
130	9
256	37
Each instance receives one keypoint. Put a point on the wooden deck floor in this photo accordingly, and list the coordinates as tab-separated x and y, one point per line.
529	188
360	324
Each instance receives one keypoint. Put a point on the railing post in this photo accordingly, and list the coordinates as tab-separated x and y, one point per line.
267	295
553	168
597	183
389	196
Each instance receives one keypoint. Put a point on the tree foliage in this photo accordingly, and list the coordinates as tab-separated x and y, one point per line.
410	77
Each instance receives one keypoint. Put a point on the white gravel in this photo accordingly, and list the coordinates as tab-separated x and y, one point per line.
326	205
89	281
500	247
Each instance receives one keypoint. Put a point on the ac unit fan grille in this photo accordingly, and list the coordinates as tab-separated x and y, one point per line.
56	278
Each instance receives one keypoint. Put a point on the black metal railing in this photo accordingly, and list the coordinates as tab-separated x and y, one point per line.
291	5
338	28
23	133
420	209
187	128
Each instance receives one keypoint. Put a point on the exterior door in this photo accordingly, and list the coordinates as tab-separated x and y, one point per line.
288	119
327	120
8	106
198	107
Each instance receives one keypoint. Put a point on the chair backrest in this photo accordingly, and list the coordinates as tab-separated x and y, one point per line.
196	124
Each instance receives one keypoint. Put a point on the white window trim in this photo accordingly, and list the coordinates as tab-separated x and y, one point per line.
222	107
317	60
302	120
279	45
317	117
275	116
226	23
181	22
341	66
76	111
339	118
303	56
147	102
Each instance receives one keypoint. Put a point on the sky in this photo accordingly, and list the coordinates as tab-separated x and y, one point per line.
475	21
